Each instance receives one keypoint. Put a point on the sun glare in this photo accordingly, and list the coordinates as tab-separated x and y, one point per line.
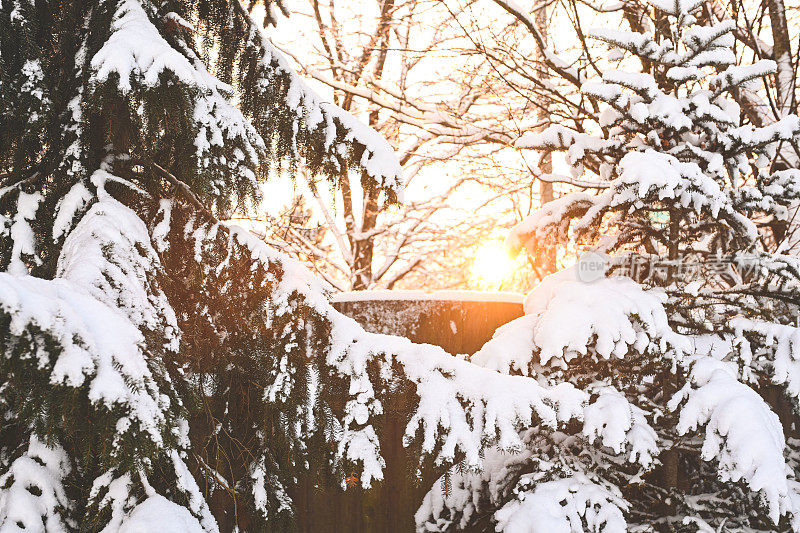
491	265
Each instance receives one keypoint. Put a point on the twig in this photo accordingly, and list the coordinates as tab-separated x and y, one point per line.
180	186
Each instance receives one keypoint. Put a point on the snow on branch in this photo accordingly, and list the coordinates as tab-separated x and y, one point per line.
99	346
736	75
641	44
540	486
332	129
567	319
93	310
22	237
99	312
741	432
655	173
570	504
136	49
786	129
782	342
615	315
641	176
497	406
137	56
110	230
40	469
553	61
558	137
641	83
707	38
620	425
548	222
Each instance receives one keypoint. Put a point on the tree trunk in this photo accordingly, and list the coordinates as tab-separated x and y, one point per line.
543	116
782	55
362	247
671	458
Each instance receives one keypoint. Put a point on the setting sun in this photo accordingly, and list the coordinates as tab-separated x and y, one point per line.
491	266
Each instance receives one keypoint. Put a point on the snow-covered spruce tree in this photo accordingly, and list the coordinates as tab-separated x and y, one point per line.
692	328
159	368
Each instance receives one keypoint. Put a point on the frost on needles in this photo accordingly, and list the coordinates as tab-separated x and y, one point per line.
161	366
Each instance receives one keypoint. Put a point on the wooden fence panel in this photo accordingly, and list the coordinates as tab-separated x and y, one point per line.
458	326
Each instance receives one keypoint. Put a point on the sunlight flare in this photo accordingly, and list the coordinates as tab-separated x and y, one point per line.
491	265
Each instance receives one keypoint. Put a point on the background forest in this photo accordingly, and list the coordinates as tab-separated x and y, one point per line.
452	85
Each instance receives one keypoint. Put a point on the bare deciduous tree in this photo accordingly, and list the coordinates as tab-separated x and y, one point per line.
380	69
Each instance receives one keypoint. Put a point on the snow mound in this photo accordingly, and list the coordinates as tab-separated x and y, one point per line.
157	513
